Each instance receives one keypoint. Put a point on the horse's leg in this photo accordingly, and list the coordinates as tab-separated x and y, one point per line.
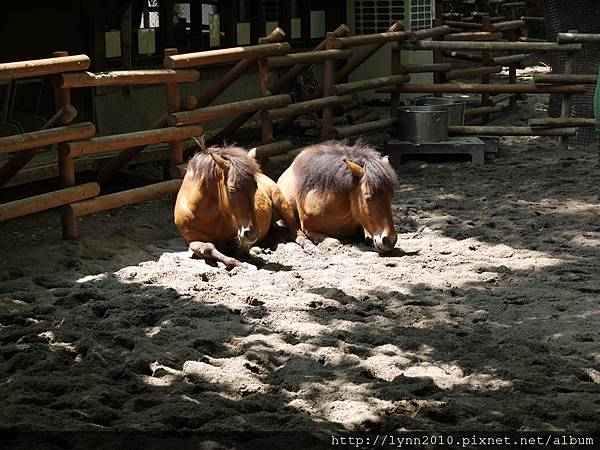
317	237
283	208
207	250
302	236
368	238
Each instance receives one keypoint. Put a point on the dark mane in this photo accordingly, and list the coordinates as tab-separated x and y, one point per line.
242	170
321	167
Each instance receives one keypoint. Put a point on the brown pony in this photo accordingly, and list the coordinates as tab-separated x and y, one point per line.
225	204
342	191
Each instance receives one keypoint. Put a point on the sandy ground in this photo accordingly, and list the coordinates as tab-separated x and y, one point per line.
485	318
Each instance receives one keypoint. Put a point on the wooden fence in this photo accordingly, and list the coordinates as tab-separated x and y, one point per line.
340	53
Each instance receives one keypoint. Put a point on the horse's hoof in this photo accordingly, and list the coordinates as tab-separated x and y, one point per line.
330	242
255	251
249	266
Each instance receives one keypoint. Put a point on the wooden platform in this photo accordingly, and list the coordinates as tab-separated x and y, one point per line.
472	146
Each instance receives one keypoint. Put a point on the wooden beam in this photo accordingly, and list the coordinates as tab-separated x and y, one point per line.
373	83
42	138
48	200
41	67
509	131
133	139
123	198
228	109
225	55
529	88
125	77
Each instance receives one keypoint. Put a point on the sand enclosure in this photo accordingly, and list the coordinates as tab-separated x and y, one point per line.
486	317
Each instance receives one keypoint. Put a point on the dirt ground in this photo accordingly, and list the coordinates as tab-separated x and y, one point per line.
485	318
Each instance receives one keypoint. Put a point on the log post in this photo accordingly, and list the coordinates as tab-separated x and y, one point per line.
567	101
66	162
264	72
173	105
328	81
485	78
512	68
397	69
438	77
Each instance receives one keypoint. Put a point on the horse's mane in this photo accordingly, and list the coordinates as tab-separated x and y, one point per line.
241	172
322	167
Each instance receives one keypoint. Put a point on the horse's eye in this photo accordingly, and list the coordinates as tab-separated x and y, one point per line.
231	191
367	195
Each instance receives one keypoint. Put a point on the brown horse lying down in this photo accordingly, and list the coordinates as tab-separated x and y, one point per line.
225	204
342	191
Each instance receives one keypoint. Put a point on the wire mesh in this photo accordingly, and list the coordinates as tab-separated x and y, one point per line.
583	16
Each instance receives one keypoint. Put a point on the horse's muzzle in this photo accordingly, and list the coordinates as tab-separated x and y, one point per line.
384	243
247	235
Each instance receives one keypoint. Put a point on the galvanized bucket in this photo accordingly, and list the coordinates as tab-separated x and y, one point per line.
456	107
423	123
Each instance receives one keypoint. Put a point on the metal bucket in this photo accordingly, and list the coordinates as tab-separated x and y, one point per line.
456	107
423	123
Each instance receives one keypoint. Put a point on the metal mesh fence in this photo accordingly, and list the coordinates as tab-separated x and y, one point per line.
583	16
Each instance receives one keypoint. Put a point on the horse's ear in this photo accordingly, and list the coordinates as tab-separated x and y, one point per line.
252	153
221	162
356	169
386	159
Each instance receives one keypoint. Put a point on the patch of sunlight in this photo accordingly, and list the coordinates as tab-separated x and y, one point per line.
155	366
448	376
54	345
165	380
587	239
449	197
152	331
236	376
190	399
89	278
353	413
386	367
305	328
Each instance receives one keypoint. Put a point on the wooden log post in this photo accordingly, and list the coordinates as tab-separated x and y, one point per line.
485	77
264	72
66	162
328	82
64	116
567	100
512	68
173	106
438	77
397	69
